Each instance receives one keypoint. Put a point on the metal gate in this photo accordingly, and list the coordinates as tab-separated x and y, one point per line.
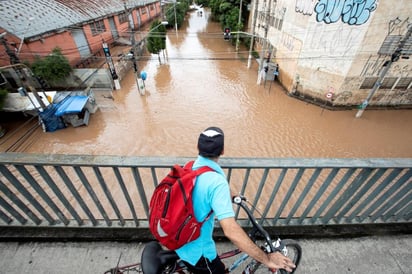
113	29
81	42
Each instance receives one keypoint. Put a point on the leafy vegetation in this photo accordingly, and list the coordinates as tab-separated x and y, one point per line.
227	13
53	67
179	9
156	40
3	95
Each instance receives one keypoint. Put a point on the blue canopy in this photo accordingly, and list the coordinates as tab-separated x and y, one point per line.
71	105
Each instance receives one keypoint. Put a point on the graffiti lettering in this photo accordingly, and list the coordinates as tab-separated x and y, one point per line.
373	66
352	12
288	41
342	41
398	26
402	70
305	6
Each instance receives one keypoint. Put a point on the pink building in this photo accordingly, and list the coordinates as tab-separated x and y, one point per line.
30	28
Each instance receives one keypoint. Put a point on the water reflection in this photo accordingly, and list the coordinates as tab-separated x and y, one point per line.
203	82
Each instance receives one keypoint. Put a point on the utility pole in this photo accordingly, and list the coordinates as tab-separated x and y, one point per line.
238	26
175	17
133	48
252	41
385	68
109	61
266	28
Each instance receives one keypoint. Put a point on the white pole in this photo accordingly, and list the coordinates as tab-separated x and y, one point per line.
24	34
238	24
252	40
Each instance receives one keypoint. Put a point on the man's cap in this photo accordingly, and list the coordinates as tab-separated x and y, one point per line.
211	142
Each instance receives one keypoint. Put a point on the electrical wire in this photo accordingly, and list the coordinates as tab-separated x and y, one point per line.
331	28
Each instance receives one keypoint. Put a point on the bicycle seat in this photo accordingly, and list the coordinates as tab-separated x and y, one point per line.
154	258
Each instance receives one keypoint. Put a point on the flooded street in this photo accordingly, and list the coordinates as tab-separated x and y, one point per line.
200	82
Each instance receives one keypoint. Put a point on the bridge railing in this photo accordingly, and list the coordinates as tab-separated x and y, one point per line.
84	191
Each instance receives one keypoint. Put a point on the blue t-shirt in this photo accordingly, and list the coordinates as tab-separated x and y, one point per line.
211	192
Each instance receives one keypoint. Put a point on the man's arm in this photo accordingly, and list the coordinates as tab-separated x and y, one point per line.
238	237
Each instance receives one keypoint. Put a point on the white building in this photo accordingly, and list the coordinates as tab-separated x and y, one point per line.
335	51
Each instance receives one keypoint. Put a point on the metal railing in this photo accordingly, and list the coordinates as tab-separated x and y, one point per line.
83	191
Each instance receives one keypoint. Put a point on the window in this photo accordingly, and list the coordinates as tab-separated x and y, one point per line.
122	18
143	10
97	27
369	82
388	82
280	24
404	83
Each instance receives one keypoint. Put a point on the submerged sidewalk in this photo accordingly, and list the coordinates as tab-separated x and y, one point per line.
377	254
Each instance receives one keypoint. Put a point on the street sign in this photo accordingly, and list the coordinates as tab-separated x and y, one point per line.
329	95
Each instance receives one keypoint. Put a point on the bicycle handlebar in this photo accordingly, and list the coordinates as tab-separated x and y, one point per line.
240	200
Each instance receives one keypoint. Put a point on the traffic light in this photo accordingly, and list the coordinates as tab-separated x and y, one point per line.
226	34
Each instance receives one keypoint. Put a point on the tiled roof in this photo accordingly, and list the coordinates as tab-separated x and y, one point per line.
30	18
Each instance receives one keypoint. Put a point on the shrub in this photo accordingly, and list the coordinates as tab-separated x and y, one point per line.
53	67
3	95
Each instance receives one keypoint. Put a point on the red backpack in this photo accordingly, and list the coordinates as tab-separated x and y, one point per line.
171	217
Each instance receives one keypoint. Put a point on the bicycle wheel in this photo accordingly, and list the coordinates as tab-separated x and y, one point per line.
292	250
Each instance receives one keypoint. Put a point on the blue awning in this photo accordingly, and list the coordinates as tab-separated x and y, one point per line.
71	105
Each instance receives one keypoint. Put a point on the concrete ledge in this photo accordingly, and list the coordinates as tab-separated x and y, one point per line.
143	234
327	104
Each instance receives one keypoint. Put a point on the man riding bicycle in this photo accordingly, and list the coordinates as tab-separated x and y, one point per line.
212	194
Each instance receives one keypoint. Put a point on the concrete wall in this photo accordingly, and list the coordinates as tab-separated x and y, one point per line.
323	48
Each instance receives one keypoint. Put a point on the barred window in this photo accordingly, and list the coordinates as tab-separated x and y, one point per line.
122	18
280	24
369	82
388	82
97	27
404	83
143	10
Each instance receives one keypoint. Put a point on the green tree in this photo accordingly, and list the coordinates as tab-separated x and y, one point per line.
179	9
204	3
227	13
52	68
156	39
3	95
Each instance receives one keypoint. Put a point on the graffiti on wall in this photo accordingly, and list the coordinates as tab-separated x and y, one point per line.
375	63
351	12
342	40
398	26
288	41
305	6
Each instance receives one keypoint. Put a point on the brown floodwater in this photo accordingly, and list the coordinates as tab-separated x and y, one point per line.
201	81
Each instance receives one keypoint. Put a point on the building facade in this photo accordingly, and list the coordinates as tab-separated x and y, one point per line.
336	52
30	28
